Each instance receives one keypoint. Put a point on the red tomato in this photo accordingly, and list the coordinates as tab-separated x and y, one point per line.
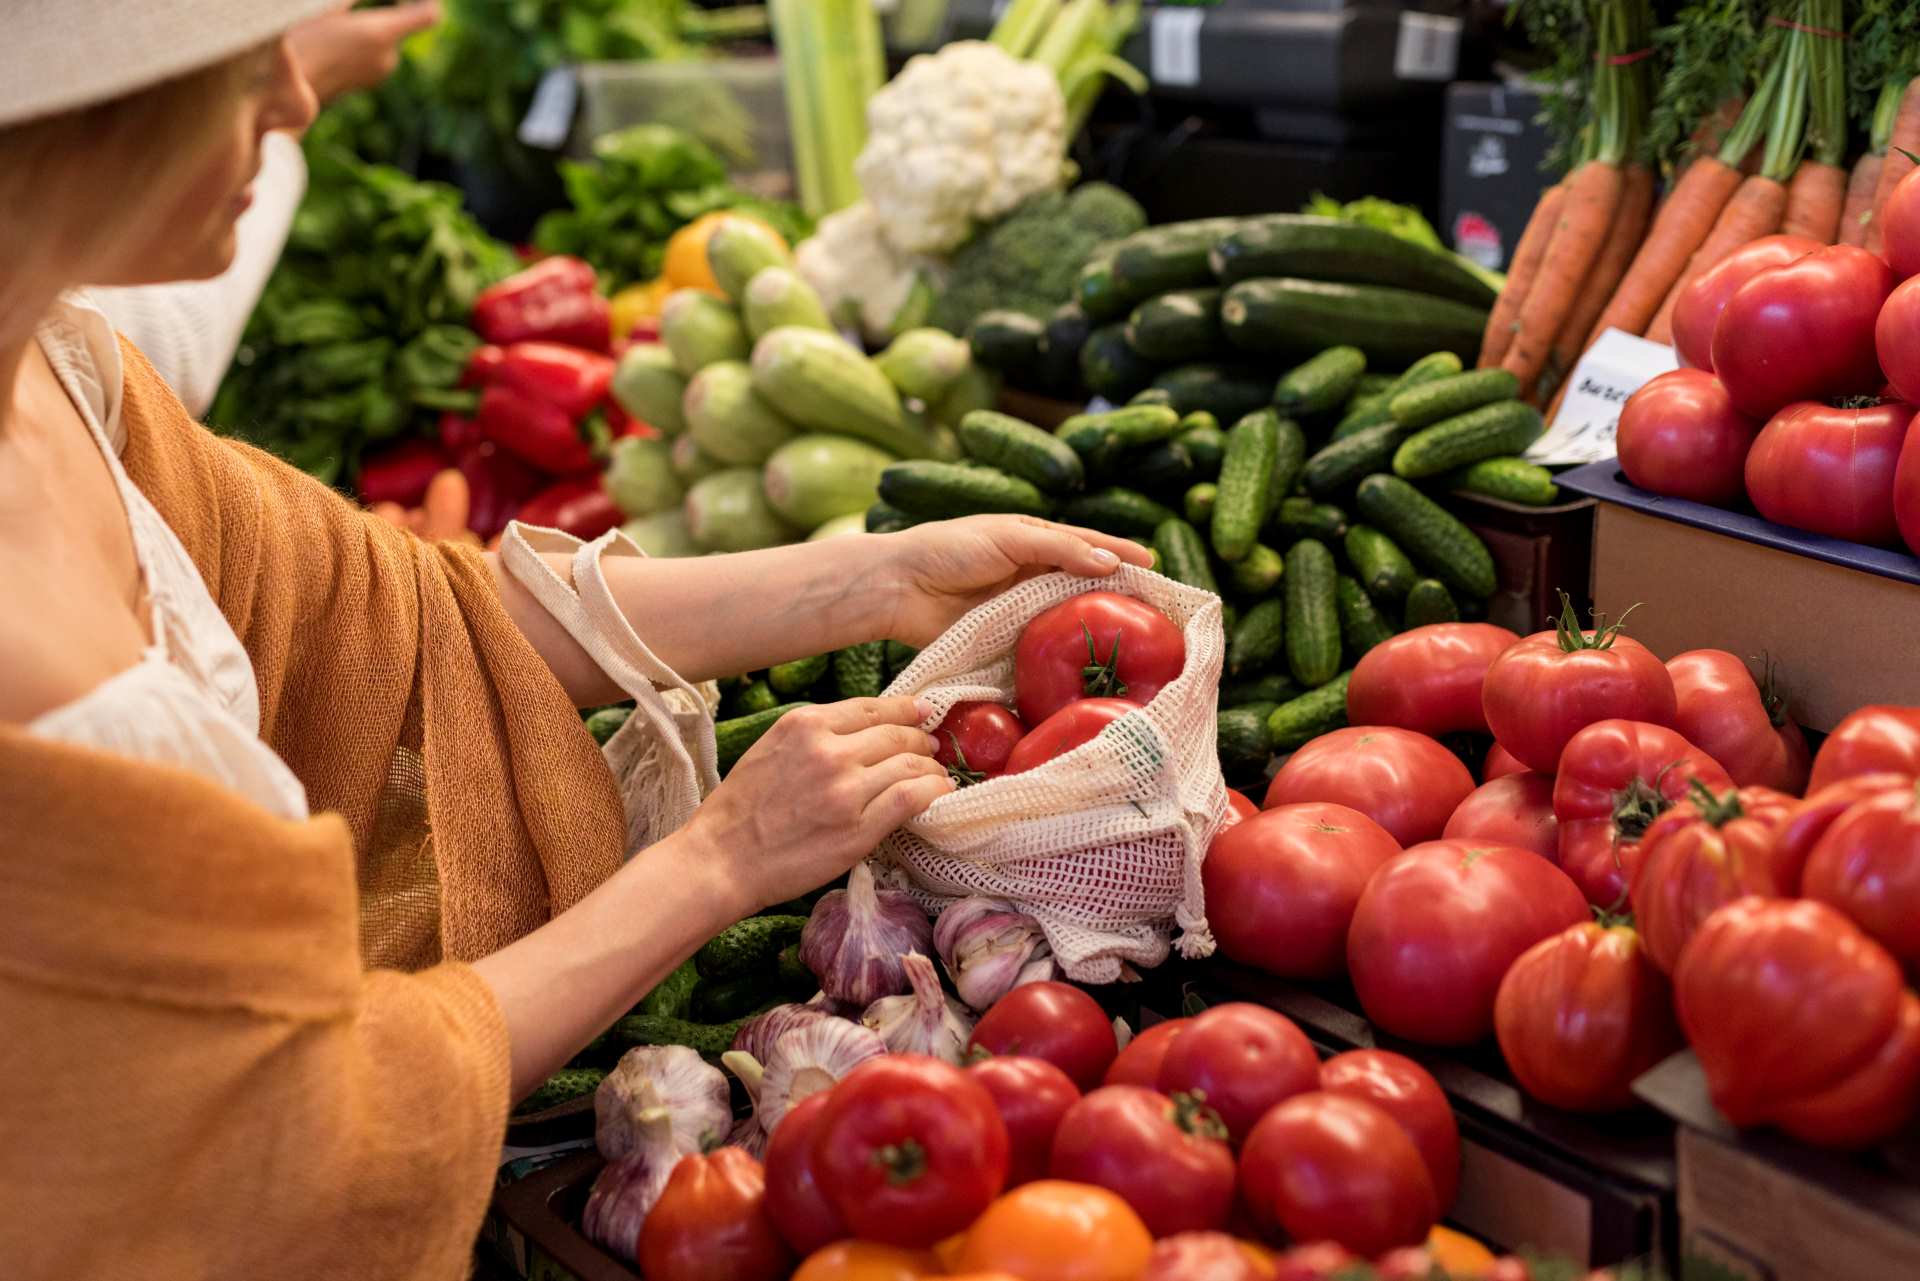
1872	1104
1868	865
910	1150
1802	331
1615	778
1698	308
1516	809
1240	806
1068	728
1899	222
1783	1000
1166	1157
976	739
796	1203
1097	645
1906	491
1427	679
1896	341
1705	852
1031	1096
1281	887
1329	1167
1204	1256
1830	471
1872	740
1500	763
1406	782
1244	1059
1437	928
1721	711
1680	436
1808	821
1408	1093
1053	1021
710	1224
1554	684
1139	1063
1581	1014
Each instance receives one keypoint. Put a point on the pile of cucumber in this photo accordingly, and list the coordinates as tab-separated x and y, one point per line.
750	704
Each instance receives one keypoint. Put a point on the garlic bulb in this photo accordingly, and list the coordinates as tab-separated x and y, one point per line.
748	1136
855	938
661	1098
757	1035
925	1021
623	1195
807	1060
990	949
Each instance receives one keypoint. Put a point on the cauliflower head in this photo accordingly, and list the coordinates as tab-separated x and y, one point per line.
959	137
862	276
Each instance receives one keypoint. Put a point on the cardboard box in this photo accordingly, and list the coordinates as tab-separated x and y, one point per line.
1537	553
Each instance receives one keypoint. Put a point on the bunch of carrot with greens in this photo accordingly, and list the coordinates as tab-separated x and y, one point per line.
1884	64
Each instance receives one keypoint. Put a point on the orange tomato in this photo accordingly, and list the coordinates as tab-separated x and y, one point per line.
1263	1258
980	1276
685	265
1053	1230
948	1251
866	1261
1457	1254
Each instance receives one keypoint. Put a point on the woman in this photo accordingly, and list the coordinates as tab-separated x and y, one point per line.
254	743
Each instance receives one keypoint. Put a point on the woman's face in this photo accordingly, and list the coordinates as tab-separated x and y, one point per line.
190	234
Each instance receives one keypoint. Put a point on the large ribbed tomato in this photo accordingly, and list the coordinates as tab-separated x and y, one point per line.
1725	713
1829	469
1698	308
1808	821
1406	782
1427	679
1869	740
1705	852
1867	864
1803	331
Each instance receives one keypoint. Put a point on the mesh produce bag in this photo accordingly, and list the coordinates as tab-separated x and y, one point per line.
1103	845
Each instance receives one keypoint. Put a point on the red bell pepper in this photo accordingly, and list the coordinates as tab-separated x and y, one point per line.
579	505
458	432
621	424
533	430
484	365
401	473
498	485
555	300
574	380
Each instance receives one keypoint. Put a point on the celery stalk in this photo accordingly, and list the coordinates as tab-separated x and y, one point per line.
1022	25
1069	33
831	60
804	124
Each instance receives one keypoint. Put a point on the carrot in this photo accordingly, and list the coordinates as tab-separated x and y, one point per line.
1629	225
1684	221
1906	137
1860	187
1753	212
1586	216
1815	199
1527	254
1714	127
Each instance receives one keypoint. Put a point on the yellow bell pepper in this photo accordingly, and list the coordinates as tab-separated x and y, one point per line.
637	303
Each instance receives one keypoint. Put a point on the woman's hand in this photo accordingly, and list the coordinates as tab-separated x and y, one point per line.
940	571
817	794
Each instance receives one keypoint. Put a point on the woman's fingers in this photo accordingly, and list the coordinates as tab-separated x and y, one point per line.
1074	549
852	715
904	800
879	742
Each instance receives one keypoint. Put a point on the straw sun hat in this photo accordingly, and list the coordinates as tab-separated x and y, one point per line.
56	55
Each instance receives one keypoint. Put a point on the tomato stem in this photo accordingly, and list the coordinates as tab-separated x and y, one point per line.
1191	1115
1102	680
1572	636
962	774
1718	811
1770	696
905	1161
1635	806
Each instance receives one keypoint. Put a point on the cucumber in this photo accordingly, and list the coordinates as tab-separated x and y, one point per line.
563	1086
1198	504
1427	369
885	518
1229	617
1313	614
729	420
1335	249
1198	420
799	675
1246	484
1255	573
606	722
1428	403
710	1039
1379	565
747	947
740	249
899	656
1431	602
1166	467
780	296
1487	432
672	996
699	330
1431	535
1321	384
1151	396
924	363
1177	326
1242	739
1023	450
1513	480
1289	460
1228	392
1272	688
1258	637
756	696
1307	717
931	490
717	1000
1392	326
1297	518
733	737
859	671
1065	334
1110	368
1361	625
1114	510
1096	294
1204	442
1115	430
823	382
648	384
792	973
1008	341
1341	463
1183	555
1373	384
1167	257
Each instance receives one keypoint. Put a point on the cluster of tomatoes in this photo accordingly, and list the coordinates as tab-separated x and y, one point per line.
1770	929
1803	374
1061	1157
1079	666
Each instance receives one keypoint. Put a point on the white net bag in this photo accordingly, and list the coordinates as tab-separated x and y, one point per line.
1102	845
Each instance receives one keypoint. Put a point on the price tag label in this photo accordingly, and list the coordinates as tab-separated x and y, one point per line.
1173	46
1427	47
549	117
1618	365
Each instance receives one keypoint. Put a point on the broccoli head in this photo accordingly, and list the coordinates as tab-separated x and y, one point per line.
1030	260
